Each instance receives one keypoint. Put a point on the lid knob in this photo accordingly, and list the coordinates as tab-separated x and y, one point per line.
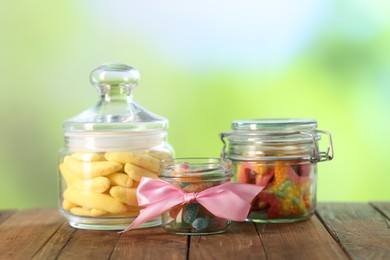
114	74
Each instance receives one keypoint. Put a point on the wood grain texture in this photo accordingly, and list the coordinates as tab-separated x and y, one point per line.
53	247
301	240
90	244
150	243
362	230
6	214
383	207
25	232
240	242
337	231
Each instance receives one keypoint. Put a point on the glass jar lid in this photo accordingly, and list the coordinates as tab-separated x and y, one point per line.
289	130
116	109
196	169
116	121
275	139
287	125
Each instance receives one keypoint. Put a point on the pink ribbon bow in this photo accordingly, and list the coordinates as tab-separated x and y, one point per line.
229	200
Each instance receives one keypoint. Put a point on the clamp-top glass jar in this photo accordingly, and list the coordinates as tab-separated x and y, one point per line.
108	148
282	155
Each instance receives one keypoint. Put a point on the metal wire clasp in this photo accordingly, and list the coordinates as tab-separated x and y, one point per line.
317	155
222	136
328	155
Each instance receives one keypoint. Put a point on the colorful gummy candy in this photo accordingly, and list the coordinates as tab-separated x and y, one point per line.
192	217
287	192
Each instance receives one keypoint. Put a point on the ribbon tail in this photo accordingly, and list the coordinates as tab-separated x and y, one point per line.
230	201
152	211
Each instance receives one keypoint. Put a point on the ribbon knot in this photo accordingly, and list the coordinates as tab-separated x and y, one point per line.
228	200
190	197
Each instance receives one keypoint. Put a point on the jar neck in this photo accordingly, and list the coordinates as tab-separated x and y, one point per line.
271	152
114	141
251	146
116	94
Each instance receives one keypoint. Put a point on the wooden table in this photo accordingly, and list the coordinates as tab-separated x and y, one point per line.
336	231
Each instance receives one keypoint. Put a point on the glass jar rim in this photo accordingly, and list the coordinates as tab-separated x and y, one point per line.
275	125
205	167
276	131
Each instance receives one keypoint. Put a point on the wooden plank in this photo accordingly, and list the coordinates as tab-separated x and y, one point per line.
383	207
4	214
150	243
240	242
302	240
25	232
89	244
362	231
56	243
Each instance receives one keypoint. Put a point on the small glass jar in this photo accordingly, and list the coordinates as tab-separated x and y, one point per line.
194	175
108	149
282	156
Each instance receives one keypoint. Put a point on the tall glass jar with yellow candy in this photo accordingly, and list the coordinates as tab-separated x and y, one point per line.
108	149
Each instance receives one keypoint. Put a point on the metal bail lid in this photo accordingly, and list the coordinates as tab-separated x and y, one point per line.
276	139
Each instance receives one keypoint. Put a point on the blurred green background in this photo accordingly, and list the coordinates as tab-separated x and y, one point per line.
203	64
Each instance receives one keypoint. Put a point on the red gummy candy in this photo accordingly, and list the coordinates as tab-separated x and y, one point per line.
264	179
173	212
304	170
246	174
274	204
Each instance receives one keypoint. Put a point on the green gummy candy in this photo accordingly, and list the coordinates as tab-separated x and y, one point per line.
201	223
190	212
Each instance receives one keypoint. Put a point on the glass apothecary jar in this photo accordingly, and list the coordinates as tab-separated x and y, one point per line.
194	175
108	149
282	156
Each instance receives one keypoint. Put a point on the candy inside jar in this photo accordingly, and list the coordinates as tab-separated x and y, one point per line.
290	189
193	175
281	155
104	184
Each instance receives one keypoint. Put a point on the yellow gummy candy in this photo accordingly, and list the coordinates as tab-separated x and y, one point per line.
97	212
160	155
126	214
133	208
67	205
80	211
87	170
67	175
87	212
120	179
142	160
136	173
92	200
260	169
125	195
88	157
99	184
